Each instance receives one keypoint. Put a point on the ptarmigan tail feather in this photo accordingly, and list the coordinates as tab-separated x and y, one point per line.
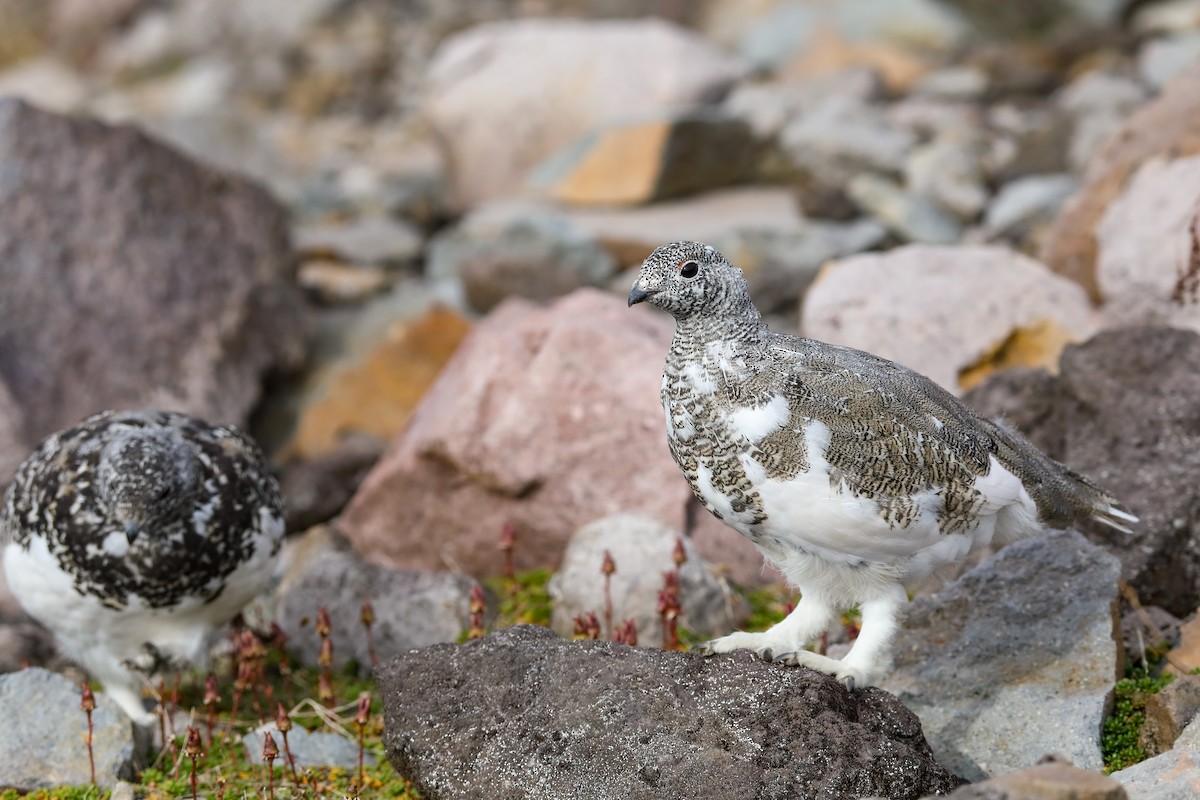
1117	518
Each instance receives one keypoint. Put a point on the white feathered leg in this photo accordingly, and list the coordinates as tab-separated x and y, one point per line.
811	617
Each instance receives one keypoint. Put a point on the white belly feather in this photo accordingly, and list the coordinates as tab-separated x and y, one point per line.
823	535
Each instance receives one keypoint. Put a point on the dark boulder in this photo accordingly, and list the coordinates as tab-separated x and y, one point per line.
523	713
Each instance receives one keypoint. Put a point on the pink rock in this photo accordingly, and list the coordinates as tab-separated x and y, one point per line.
547	417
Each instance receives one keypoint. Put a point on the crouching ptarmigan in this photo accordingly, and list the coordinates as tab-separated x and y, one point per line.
134	536
854	475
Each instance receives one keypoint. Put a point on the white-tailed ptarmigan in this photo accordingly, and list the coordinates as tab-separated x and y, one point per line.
134	536
854	475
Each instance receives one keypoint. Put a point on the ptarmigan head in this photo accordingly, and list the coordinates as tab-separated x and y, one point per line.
147	478
687	279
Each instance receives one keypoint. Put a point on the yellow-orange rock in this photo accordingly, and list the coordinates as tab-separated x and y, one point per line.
377	395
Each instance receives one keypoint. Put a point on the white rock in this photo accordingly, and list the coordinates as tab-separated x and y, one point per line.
947	171
1098	103
1160	60
641	549
45	82
504	96
841	137
941	310
1025	201
1147	265
1167	16
912	216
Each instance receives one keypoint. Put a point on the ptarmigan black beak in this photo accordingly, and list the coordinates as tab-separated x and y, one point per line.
132	529
637	294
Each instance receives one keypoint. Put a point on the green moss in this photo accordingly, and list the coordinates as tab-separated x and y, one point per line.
768	605
1119	739
524	599
59	793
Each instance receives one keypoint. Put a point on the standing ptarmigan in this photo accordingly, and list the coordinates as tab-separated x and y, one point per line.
134	536
854	475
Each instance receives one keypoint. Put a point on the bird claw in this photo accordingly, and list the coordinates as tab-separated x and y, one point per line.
704	649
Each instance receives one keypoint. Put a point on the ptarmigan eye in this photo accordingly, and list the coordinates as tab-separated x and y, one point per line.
689	269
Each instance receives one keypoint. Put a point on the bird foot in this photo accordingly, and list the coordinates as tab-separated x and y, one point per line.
152	661
776	652
848	675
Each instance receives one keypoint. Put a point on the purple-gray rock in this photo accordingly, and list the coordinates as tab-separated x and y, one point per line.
1015	659
523	713
412	608
1124	411
134	277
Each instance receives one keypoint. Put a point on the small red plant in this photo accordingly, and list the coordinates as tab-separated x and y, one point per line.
669	610
270	753
478	604
507	545
679	554
88	703
587	626
626	633
325	660
607	568
191	749
283	723
360	720
212	696
367	618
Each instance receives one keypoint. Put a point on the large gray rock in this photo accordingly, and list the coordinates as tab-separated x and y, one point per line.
523	713
41	740
641	549
1015	659
1123	411
412	609
133	277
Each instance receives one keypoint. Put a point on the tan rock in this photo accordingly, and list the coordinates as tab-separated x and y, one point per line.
951	313
546	417
1148	263
335	282
1051	781
1167	714
828	51
1166	126
379	394
504	96
1185	656
641	160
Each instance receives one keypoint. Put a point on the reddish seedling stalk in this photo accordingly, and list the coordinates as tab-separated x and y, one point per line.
360	720
626	633
325	659
241	683
283	723
88	703
324	627
607	568
478	604
270	753
679	554
587	626
669	610
279	641
325	690
367	617
192	750
253	653
508	536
